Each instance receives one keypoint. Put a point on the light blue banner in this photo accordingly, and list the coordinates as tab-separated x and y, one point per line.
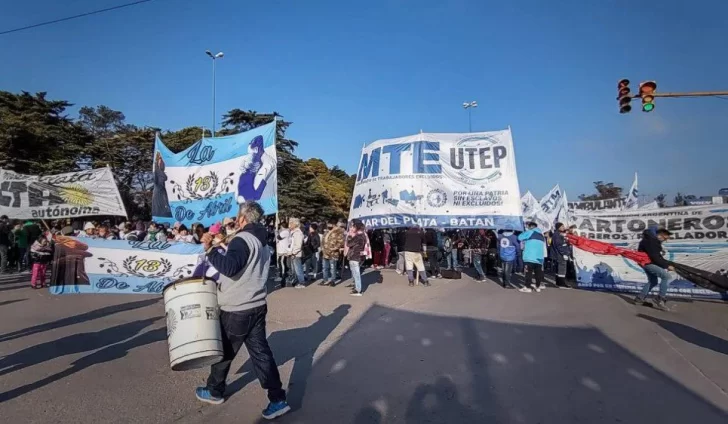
86	265
206	182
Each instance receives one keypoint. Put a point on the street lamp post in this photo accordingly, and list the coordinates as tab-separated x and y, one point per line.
213	57
469	106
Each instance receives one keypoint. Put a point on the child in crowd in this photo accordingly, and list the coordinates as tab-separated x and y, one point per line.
41	254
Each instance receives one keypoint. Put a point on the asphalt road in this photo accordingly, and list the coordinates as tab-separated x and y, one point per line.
457	352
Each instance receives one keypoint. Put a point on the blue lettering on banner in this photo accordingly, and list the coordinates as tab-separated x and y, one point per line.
216	208
149	245
183	214
150	287
111	283
426	158
199	155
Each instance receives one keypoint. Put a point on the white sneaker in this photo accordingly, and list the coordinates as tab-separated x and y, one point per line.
525	290
538	289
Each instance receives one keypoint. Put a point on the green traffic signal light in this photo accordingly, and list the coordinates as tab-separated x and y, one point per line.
648	107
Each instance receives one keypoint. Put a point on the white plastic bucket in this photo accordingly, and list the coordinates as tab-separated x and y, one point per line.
193	326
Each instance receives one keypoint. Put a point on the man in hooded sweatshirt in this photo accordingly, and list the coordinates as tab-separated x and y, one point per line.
534	251
658	268
241	296
509	248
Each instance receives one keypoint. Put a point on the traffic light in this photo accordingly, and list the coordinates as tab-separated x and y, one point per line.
647	91
623	96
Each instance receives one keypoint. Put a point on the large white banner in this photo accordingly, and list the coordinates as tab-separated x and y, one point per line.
460	180
74	194
699	239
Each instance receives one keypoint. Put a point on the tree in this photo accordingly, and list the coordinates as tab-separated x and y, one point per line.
177	141
127	149
36	137
603	191
660	199
679	200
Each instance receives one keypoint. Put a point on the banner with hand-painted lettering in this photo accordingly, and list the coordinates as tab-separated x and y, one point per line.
699	239
448	180
586	206
709	223
88	265
73	194
207	181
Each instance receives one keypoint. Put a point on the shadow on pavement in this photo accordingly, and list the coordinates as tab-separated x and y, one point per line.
691	335
8	302
87	316
299	345
397	366
75	343
116	347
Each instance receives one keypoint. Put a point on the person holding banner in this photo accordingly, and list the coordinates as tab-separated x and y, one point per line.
243	309
658	268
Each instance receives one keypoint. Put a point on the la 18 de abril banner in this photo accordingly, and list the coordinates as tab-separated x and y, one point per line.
86	265
457	180
206	182
74	194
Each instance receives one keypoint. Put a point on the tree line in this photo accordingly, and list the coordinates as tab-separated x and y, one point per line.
38	137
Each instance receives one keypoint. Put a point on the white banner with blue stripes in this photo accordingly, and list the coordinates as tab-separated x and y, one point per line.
439	180
207	181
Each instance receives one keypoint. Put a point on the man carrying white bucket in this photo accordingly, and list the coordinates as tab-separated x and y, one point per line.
241	297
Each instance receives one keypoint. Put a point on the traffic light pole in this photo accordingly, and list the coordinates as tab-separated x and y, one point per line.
689	94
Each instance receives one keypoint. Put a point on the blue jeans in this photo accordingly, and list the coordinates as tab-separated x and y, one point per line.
329	268
453	259
478	263
355	274
298	269
312	264
654	273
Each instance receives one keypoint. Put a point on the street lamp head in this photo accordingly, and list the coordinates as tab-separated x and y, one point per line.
219	55
466	105
474	104
209	53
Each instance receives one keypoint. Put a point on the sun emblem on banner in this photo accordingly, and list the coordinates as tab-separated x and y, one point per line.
76	194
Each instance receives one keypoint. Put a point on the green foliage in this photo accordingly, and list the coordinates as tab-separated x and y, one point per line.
603	191
36	137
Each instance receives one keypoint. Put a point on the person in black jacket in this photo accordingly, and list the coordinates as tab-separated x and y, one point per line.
312	249
560	252
414	245
658	268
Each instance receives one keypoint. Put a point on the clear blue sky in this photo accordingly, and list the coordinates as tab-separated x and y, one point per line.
349	74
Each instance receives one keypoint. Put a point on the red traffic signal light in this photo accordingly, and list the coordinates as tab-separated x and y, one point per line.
647	91
623	96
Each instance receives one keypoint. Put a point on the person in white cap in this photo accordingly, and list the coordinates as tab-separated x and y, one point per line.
89	230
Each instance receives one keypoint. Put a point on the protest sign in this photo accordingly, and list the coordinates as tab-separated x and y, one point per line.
88	265
205	182
708	223
69	195
439	180
553	204
586	206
